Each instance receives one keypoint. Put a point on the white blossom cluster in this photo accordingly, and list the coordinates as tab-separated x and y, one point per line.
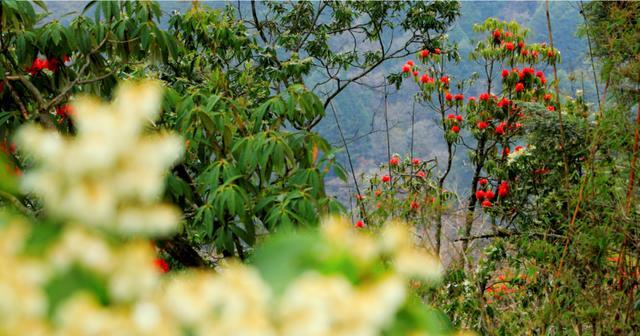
108	175
107	179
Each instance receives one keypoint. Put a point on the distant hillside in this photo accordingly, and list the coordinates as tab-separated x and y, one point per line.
361	109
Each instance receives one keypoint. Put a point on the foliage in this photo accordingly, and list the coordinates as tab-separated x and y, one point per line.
87	266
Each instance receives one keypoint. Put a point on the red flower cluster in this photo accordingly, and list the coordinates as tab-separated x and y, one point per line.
385	178
485	196
394	161
359	224
509	46
64	111
455	119
50	64
448	97
415	161
503	189
500	128
161	264
425	79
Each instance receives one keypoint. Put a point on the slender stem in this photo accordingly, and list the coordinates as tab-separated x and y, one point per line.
16	203
363	211
386	126
386	123
593	66
557	89
634	158
413	123
16	98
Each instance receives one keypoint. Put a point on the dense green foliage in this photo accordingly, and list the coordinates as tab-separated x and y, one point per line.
536	183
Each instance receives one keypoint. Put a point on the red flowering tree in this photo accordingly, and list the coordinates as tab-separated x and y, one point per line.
495	120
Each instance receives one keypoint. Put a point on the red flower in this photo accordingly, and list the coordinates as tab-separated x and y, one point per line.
520	44
503	190
500	130
479	195
505	73
509	46
359	224
406	68
455	129
377	193
415	73
506	151
489	194
524	52
504	102
487	204
424	53
459	118
497	34
535	53
550	53
448	97
484	96
415	205
52	64
547	96
551	108
161	264
472	100
451	116
410	63
483	181
540	74
436	51
360	197
64	110
421	174
482	125
394	161
444	80
458	97
518	148
386	178
37	65
519	87
529	71
415	161
424	79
